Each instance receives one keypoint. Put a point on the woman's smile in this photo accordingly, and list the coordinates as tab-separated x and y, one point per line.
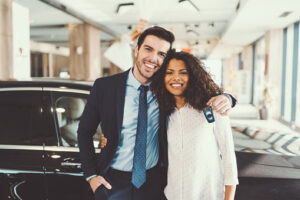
177	77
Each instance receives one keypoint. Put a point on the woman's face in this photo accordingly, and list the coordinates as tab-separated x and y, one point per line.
176	77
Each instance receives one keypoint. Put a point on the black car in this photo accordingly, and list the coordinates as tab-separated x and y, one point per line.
39	155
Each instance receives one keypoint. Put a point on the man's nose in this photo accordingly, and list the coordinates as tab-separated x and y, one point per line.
153	57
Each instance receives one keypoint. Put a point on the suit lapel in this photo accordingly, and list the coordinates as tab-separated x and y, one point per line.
121	99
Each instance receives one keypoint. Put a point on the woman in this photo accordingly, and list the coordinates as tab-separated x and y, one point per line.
202	163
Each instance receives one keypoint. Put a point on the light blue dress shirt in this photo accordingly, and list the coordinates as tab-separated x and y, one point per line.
123	159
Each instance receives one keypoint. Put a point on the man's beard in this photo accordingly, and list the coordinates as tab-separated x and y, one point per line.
143	74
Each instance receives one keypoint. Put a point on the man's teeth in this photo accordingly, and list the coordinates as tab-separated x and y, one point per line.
150	66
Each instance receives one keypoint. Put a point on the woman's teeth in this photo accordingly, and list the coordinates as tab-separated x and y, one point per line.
176	85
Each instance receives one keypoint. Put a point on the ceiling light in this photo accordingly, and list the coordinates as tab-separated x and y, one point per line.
189	4
285	14
55	156
79	50
60	110
192	33
124	7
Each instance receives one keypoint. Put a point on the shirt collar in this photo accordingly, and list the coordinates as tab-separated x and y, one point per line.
132	81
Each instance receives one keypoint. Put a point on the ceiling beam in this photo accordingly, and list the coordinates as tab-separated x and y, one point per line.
79	16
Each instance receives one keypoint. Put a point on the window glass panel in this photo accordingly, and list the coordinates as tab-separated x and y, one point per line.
20	118
259	77
68	111
298	88
289	71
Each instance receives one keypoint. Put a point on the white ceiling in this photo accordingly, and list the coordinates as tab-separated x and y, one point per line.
42	14
252	21
216	30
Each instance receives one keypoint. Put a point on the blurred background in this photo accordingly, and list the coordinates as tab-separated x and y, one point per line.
251	47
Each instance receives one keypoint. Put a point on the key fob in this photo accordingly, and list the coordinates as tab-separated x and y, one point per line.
209	115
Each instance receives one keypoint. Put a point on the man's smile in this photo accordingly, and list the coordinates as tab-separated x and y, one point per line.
150	66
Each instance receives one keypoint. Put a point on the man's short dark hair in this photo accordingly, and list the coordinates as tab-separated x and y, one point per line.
158	32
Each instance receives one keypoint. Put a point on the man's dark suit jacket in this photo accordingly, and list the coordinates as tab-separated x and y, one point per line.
105	105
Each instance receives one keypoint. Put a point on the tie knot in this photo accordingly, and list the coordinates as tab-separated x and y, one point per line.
144	88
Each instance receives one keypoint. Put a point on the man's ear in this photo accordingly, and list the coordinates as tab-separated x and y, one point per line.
136	50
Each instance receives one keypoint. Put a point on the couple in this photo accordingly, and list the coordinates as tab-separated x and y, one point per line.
140	160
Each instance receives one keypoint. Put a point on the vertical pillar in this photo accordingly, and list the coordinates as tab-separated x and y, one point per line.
21	41
230	75
51	65
45	64
274	49
84	44
244	75
6	40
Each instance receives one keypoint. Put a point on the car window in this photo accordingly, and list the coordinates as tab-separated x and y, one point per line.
20	118
68	111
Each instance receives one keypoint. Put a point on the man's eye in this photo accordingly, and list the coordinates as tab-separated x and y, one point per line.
163	55
168	72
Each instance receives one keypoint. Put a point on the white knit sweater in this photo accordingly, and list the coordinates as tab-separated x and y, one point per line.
197	171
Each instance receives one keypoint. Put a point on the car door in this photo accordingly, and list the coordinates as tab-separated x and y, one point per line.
64	176
21	144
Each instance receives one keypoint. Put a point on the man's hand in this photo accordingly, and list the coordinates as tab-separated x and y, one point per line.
97	181
220	104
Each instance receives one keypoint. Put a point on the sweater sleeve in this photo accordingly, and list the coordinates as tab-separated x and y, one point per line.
224	137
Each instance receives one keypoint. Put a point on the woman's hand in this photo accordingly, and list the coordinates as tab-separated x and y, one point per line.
229	192
103	141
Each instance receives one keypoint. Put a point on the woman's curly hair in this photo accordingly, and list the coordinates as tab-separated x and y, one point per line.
200	87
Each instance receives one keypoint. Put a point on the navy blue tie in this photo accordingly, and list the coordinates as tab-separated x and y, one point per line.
139	159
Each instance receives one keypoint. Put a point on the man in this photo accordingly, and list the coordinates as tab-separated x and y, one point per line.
132	166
